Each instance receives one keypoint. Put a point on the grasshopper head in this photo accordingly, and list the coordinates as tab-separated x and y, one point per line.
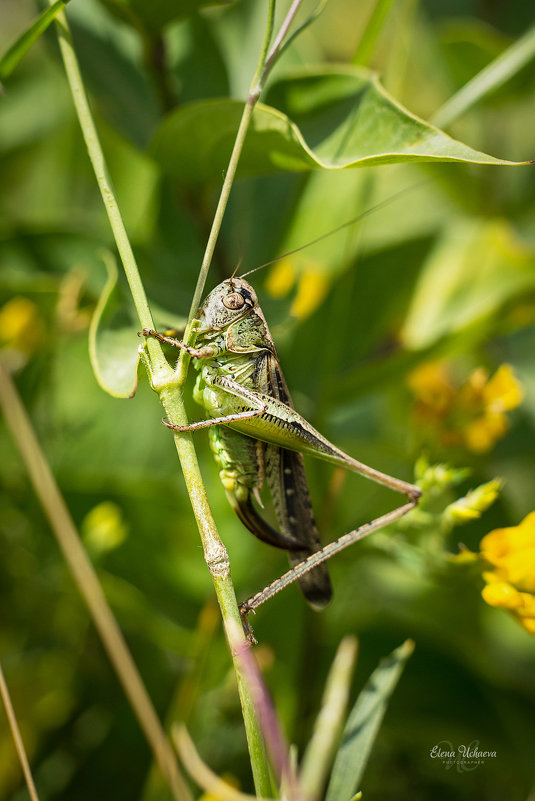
228	302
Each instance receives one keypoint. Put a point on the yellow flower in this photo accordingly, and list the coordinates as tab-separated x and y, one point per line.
312	285
511	583
482	433
503	391
21	326
311	290
433	388
472	413
281	278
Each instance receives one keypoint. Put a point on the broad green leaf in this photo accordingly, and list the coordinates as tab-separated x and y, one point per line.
363	724
113	343
113	340
323	120
475	268
20	47
156	15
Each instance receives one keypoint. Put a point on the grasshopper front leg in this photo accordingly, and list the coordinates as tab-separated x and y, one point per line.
207	352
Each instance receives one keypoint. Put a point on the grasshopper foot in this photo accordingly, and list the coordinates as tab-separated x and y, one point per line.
245	610
174	427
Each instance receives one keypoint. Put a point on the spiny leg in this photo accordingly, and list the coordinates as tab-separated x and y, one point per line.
197	353
214	421
252	603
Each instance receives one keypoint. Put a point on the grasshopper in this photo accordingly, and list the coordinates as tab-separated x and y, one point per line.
256	436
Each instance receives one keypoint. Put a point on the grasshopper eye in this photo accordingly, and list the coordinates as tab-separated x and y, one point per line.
233	301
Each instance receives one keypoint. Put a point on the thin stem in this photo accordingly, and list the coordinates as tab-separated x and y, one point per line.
265	63
162	378
86	578
222	204
278	43
17	738
164	382
372	30
273	736
299	30
98	161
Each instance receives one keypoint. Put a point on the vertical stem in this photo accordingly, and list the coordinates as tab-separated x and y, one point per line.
218	563
98	161
222	203
162	379
372	30
17	738
265	63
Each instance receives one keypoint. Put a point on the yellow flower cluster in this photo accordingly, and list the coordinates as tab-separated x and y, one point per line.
471	414
312	286
511	583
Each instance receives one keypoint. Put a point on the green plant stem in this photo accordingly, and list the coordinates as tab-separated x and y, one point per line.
371	33
165	383
217	560
264	66
222	204
98	161
86	578
169	385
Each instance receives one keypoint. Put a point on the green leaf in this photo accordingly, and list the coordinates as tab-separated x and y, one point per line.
363	724
113	343
20	47
327	119
327	728
113	340
476	267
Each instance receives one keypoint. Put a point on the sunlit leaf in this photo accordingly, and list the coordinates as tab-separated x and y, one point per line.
113	343
329	119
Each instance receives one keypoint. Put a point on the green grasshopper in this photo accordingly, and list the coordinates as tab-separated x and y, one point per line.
256	435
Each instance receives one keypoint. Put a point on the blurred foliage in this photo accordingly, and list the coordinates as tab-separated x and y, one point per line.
443	275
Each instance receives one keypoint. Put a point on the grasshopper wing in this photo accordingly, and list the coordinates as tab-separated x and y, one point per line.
285	472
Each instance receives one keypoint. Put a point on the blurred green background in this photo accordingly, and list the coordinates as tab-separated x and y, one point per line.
444	275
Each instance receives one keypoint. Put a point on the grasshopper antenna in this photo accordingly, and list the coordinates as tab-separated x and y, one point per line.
239	264
354	220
